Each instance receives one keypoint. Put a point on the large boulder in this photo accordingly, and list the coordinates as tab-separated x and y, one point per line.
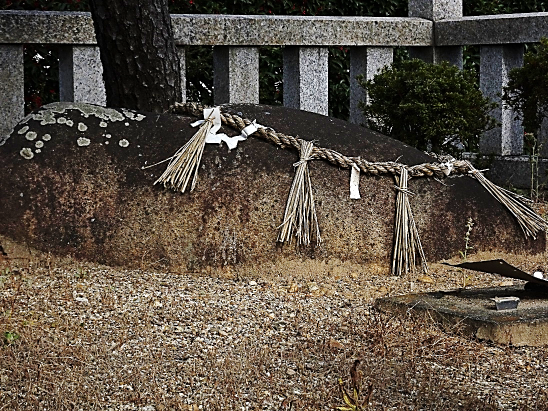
73	183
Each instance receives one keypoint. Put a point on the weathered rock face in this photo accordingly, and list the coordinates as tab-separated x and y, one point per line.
73	184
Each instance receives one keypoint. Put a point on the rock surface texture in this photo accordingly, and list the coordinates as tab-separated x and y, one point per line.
73	184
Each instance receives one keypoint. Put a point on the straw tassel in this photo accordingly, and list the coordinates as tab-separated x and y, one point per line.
407	243
300	211
529	221
185	163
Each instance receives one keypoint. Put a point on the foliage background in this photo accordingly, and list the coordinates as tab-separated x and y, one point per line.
434	107
41	61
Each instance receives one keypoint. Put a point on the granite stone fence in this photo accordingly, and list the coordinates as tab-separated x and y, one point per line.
434	31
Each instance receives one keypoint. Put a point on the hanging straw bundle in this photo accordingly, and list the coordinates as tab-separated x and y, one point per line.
300	211
185	163
407	242
529	221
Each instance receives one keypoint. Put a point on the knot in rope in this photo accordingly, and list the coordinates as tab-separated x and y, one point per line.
305	152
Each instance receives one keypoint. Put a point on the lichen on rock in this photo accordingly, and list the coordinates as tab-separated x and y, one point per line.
83	142
26	153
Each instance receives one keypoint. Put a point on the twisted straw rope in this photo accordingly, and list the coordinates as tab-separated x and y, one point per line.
529	221
334	157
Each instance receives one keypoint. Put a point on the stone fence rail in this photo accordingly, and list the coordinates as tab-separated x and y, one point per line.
433	33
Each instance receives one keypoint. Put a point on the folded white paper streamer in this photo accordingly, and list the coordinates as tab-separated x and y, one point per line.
214	138
355	183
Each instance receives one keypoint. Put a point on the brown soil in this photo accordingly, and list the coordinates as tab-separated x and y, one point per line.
274	337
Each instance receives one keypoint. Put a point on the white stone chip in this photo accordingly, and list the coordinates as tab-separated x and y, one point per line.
31	135
108	135
37	151
355	183
26	153
82	142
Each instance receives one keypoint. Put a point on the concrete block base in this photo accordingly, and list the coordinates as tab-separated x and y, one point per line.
473	313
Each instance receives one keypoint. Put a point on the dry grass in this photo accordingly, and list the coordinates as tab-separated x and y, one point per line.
89	337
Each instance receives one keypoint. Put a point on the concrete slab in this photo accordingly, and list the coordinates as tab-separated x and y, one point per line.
474	313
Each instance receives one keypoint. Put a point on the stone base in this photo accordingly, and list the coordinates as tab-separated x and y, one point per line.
473	313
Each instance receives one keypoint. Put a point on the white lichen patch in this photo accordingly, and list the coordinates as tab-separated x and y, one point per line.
82	142
129	114
37	151
53	114
87	110
31	135
39	144
23	130
46	137
123	143
26	153
132	115
82	127
106	143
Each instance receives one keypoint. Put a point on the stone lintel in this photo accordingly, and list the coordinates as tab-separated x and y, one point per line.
301	30
367	61
495	64
12	101
207	29
81	75
236	74
22	26
305	79
495	29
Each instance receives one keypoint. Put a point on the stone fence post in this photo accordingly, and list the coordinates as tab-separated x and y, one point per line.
496	61
12	93
305	78
81	75
436	10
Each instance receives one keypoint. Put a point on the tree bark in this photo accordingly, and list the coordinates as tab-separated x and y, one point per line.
140	60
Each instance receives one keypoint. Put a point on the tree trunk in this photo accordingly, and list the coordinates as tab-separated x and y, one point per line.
140	61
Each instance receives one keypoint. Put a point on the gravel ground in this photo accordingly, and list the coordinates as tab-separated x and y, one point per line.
82	336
